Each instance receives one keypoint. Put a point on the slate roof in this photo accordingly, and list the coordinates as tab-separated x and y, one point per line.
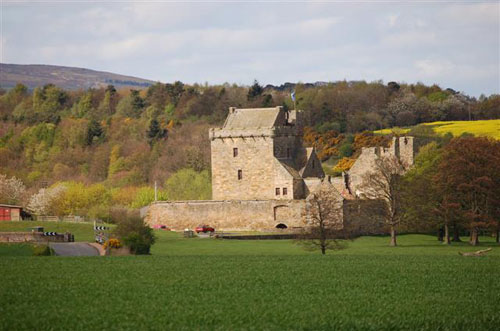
252	118
290	167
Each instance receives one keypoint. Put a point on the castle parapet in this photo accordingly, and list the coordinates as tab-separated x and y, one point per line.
278	131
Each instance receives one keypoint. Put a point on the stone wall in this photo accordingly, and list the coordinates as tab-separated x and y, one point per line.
406	151
402	148
38	237
256	179
241	215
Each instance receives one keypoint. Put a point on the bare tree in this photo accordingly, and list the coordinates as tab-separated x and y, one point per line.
384	184
324	215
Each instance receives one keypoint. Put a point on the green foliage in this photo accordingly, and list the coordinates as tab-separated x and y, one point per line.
155	132
145	195
116	162
188	184
94	132
42	250
329	126
345	150
131	106
255	90
134	233
437	96
83	107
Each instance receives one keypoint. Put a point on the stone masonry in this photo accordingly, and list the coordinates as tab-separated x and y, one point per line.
262	176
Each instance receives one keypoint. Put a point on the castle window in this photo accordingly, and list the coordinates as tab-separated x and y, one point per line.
277	191
235	152
313	164
288	152
240	174
285	191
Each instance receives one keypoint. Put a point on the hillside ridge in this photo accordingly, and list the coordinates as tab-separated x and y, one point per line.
71	78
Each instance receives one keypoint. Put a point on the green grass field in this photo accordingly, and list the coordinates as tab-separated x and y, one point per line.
489	128
208	284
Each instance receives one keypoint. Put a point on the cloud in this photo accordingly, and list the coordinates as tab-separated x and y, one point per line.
455	45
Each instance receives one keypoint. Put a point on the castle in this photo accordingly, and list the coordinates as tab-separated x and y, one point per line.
262	175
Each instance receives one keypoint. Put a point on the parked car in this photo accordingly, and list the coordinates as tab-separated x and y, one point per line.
204	228
161	227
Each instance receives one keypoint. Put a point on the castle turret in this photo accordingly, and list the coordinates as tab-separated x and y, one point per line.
406	151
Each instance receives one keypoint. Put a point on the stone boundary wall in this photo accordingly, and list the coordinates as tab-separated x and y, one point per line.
37	237
228	215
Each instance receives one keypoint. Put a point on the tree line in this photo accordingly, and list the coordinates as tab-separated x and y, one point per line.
128	139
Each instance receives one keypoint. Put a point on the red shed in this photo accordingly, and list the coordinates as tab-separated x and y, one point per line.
10	213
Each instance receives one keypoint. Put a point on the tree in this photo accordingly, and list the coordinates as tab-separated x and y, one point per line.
188	184
131	106
255	90
469	172
12	190
385	183
133	232
155	132
323	213
43	202
425	204
94	130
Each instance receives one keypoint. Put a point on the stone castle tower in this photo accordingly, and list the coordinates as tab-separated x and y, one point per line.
258	154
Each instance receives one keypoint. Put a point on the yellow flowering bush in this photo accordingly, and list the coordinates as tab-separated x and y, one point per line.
112	243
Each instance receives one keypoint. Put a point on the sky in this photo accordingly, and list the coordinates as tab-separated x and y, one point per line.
455	44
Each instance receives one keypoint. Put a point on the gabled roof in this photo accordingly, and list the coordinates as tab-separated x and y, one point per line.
289	166
252	118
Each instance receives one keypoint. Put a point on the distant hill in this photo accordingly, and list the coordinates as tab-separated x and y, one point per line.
489	128
69	78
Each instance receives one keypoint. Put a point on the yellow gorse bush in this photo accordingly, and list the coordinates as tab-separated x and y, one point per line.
112	243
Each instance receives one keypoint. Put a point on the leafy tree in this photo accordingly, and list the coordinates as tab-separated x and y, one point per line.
146	195
131	106
470	171
83	107
187	184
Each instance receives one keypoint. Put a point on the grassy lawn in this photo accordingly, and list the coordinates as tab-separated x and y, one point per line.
206	284
15	250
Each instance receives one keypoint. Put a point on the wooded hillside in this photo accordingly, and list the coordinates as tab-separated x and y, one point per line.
124	140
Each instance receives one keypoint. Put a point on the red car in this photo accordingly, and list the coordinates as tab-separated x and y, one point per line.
204	228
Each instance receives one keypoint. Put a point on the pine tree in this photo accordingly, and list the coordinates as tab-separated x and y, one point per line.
155	132
94	130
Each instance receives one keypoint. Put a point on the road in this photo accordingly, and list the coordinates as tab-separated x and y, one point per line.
74	249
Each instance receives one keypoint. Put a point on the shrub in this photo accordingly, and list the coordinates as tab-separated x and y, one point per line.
133	232
112	243
42	250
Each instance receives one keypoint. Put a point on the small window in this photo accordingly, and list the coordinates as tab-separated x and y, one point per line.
285	191
288	152
277	191
313	164
240	174
235	152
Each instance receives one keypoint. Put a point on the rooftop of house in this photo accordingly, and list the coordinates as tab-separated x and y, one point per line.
253	118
